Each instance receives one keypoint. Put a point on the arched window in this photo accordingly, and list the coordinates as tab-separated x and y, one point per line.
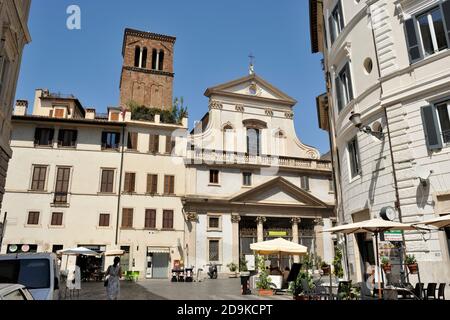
253	142
228	138
144	58
154	58
137	56
161	60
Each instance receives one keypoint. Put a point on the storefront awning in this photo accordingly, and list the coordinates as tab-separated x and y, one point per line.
158	250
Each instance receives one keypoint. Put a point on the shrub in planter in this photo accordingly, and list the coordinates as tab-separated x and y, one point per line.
411	262
386	265
233	268
326	268
263	284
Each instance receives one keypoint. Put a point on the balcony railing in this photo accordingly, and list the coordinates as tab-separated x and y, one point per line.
230	158
60	198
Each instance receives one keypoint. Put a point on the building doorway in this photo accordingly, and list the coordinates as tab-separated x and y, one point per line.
367	253
157	263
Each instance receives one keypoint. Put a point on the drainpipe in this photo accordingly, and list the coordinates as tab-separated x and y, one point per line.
3	230
120	183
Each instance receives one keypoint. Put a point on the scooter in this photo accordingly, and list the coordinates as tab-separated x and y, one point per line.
212	273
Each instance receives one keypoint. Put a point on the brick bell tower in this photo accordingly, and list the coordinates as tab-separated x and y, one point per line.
147	71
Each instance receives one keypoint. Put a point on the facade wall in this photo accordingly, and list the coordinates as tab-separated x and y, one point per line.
14	32
402	88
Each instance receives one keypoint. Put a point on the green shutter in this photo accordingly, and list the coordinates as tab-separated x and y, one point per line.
431	128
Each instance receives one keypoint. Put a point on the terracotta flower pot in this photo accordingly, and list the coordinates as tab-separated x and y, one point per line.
265	293
387	268
413	268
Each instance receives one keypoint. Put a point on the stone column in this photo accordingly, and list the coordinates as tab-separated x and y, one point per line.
235	219
295	235
260	228
191	221
318	239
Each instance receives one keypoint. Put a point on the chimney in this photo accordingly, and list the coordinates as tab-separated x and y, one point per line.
90	113
21	108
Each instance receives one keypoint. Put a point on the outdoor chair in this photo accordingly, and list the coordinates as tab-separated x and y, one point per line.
419	290
441	291
409	292
430	291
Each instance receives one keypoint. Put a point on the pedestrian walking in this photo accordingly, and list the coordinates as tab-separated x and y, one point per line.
112	280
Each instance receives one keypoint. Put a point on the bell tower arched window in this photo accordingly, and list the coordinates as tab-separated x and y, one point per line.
137	56
161	60
154	58
144	58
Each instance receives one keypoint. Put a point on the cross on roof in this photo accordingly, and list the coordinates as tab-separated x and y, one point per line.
252	65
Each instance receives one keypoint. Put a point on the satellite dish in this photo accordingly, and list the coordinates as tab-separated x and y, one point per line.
423	174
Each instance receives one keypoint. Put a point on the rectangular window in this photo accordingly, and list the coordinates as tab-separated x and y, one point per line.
115	116
39	177
170	144
67	138
127	218
152	184
4	69
132	142
353	153
150	219
44	137
444	120
214	176
110	140
305	183
130	182
33	218
107	184
154	144
253	142
344	87
247	179
331	185
428	32
168	219
62	185
58	113
336	22
104	220
214	222
214	254
169	185
57	219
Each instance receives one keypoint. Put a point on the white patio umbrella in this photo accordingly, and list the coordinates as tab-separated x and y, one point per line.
440	223
279	246
114	252
77	251
375	226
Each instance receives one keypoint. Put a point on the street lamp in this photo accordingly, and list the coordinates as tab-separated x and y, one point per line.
355	118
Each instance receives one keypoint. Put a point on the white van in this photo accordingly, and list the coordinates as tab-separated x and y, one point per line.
38	272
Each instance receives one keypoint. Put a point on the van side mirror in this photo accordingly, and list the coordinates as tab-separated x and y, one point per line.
56	284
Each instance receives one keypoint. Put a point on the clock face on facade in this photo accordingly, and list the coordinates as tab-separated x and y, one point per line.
388	213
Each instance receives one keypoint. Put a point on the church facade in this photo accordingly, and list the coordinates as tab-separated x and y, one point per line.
249	178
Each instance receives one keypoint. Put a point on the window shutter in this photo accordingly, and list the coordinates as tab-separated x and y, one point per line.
51	135
446	11
431	128
60	137
412	41
37	135
338	93
117	141
169	144
104	137
74	137
332	32
154	185
127	182
341	15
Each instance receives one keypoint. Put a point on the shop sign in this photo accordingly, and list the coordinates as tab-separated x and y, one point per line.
278	234
393	235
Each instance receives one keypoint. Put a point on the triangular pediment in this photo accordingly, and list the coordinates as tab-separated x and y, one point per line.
279	191
251	86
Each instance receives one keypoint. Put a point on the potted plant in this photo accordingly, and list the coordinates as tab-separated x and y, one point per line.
297	289
233	268
264	285
386	265
337	263
243	268
326	268
411	262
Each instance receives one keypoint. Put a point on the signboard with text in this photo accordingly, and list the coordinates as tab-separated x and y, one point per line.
394	236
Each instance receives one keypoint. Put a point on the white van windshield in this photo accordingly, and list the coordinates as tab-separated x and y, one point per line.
32	273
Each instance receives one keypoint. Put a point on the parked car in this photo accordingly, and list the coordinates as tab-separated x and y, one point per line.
38	272
14	292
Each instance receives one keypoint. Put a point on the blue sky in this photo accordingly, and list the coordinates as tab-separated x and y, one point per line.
214	39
